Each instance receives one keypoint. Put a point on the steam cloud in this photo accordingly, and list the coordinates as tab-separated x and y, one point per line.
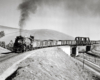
79	7
26	7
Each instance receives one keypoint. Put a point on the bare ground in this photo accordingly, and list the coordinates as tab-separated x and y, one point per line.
48	64
85	72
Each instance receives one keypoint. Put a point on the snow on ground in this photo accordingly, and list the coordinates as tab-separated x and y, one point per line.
47	64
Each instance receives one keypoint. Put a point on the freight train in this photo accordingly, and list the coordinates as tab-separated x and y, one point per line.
23	44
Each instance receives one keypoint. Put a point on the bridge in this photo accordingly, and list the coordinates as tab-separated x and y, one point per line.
73	45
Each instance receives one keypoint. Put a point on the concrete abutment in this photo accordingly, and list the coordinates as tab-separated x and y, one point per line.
75	50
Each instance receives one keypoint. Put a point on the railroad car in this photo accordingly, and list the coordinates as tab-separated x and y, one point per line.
58	42
73	42
62	42
54	42
68	42
50	43
45	43
39	43
34	44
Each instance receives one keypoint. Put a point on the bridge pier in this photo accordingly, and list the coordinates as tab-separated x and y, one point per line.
74	51
88	48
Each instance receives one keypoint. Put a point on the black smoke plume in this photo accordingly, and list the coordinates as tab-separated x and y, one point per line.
26	7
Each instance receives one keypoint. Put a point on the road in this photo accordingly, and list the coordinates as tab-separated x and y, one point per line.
7	56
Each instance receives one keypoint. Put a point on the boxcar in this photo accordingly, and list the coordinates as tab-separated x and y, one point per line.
54	43
69	42
59	42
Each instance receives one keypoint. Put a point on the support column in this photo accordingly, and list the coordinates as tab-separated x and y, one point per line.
74	51
77	52
88	48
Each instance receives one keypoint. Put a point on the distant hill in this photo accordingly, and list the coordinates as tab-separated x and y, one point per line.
50	34
8	30
41	34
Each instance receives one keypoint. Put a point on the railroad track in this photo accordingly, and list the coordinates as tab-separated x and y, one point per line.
87	64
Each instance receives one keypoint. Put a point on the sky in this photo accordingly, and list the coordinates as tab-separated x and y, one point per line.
72	17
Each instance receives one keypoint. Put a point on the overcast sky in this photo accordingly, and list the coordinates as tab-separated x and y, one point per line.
72	17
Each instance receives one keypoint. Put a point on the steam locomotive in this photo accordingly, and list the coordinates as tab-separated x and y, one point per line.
23	44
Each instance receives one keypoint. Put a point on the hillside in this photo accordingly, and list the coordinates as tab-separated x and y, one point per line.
50	34
42	34
47	64
8	30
